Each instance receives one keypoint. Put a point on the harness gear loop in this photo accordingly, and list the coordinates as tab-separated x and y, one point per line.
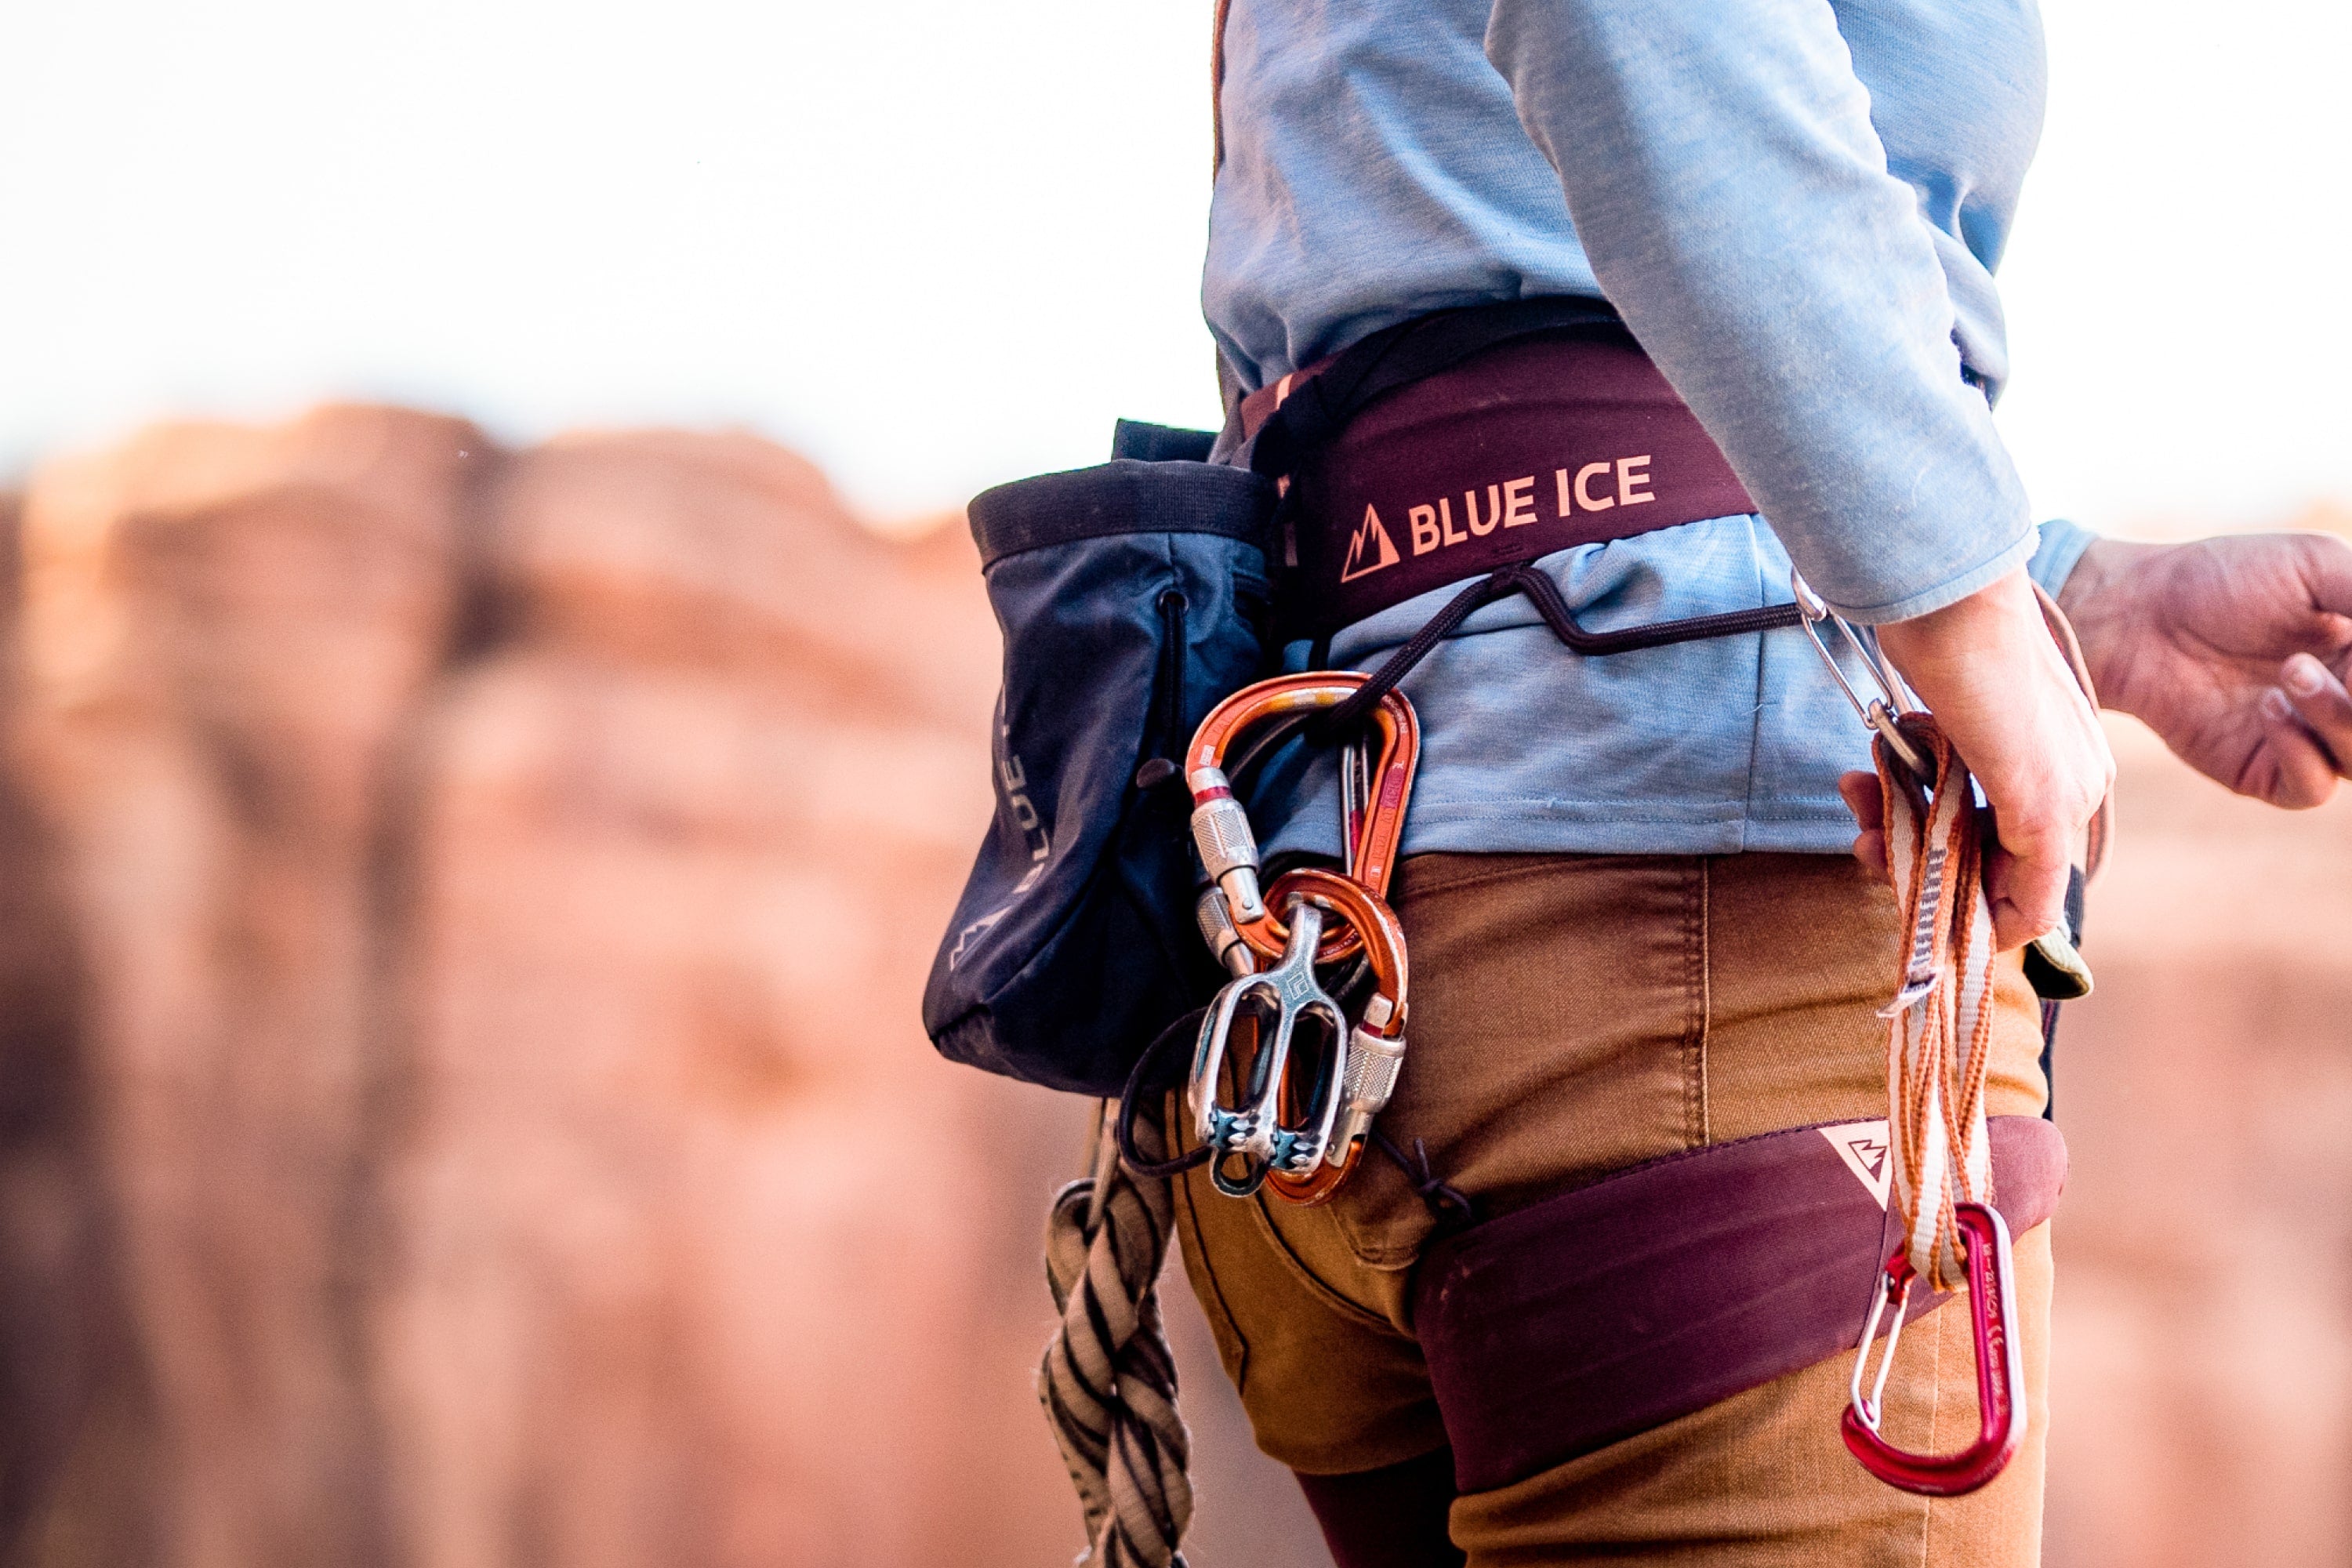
1107	1380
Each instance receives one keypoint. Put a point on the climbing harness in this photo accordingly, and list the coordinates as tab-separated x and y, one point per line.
1612	1308
1167	579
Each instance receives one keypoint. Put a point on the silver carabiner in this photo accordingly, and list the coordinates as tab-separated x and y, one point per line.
1879	712
1893	1289
1355	800
1253	1127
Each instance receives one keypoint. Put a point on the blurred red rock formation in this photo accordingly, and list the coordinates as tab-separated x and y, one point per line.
225	634
494	1127
461	1101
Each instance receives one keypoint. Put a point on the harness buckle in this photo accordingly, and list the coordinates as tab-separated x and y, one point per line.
2000	1372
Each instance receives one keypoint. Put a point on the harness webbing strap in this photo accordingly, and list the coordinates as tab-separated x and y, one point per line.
1939	1025
1559	1328
1307	410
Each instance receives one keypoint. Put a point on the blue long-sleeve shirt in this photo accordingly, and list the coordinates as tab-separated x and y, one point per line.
1797	207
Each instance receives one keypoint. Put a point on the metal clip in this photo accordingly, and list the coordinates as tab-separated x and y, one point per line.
2001	1370
1879	712
1376	782
1375	1049
1255	1128
1374	1062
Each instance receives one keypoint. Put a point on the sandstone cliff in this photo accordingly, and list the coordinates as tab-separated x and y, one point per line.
494	1127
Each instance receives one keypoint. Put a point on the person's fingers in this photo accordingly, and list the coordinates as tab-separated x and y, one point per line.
1869	808
1862	798
2328	572
2321	701
2027	890
1870	848
2294	768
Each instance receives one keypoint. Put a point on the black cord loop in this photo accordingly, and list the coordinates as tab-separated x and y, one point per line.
1455	1209
1544	595
1139	1084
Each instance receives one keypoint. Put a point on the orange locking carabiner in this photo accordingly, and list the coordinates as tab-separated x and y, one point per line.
1221	828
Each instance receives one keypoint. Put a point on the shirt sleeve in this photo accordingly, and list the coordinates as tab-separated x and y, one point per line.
1725	179
2060	545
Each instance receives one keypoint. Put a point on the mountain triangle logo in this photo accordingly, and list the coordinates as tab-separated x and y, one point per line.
1370	551
1863	1146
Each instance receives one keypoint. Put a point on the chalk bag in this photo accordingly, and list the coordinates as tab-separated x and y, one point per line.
1132	596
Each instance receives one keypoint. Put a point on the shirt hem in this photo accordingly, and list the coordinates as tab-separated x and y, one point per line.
1629	828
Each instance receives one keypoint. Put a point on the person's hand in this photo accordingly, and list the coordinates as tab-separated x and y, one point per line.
1989	670
2234	650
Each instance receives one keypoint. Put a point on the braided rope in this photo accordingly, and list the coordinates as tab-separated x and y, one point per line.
1108	1380
1940	1034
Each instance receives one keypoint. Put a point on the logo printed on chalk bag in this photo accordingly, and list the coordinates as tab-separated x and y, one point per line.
1863	1146
1370	551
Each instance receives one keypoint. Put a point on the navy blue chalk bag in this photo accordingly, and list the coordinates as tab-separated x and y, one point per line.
1133	597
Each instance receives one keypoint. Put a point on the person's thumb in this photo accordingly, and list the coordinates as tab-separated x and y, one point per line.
2026	886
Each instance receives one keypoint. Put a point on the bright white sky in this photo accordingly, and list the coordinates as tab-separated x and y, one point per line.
935	246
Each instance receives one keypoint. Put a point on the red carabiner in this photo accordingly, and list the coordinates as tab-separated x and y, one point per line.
2000	1374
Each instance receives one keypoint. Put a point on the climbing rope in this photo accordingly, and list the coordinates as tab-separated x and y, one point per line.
1108	1379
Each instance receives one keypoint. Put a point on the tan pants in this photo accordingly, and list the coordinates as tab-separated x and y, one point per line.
1572	1016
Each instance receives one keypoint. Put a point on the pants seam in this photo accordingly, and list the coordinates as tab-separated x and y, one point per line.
1935	1437
1181	1188
1694	1108
1330	1294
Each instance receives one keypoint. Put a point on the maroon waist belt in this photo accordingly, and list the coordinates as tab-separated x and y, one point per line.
1524	447
1555	1331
